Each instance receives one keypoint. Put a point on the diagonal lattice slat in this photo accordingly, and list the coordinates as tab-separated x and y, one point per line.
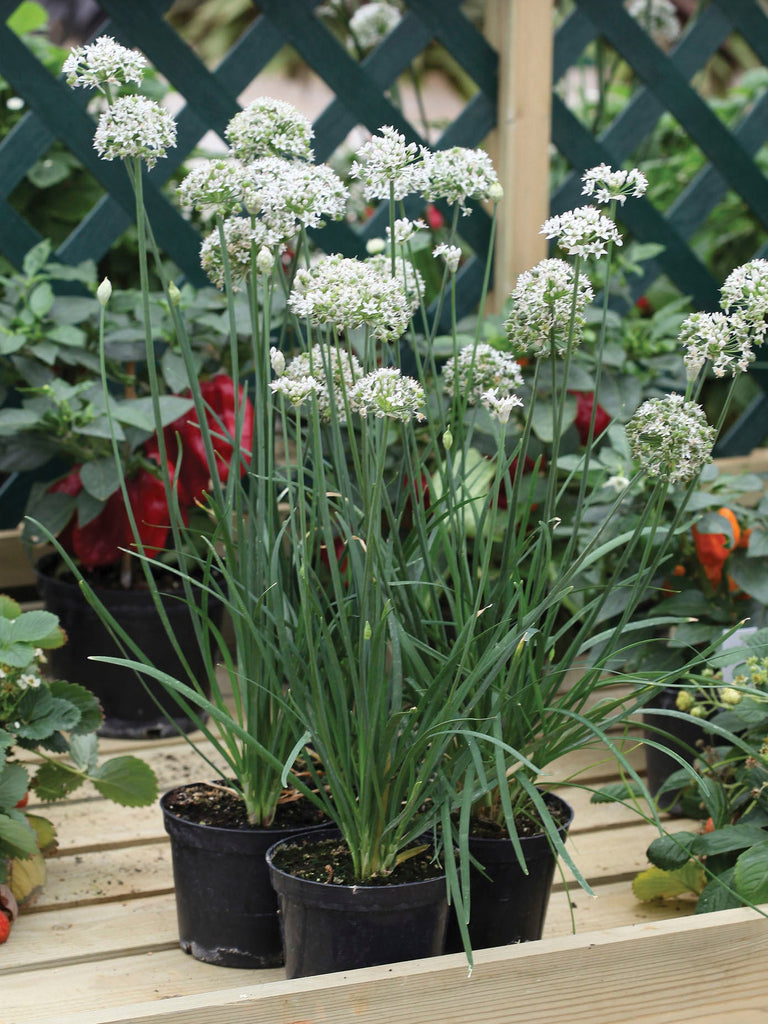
730	152
211	100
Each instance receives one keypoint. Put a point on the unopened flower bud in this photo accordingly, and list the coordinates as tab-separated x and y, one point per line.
265	261
447	439
697	711
374	246
104	291
684	701
277	359
174	295
495	192
367	631
728	695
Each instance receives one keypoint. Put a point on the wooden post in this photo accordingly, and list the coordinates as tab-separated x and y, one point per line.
522	31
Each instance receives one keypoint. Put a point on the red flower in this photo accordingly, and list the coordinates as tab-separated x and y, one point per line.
584	402
712	548
184	437
99	541
433	217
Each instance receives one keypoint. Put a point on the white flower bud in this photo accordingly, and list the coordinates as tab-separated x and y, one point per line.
495	192
265	261
277	359
374	246
104	291
447	439
174	295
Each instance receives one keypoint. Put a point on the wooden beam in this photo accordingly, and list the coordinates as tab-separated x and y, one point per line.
523	32
595	978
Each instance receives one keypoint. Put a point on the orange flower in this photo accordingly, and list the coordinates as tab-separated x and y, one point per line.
712	549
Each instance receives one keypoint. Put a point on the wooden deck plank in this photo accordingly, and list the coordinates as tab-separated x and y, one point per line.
600	977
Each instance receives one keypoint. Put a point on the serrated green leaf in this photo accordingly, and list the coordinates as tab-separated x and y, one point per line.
655	883
84	751
671	851
38	627
14	783
91	715
45	832
9	609
716	897
17	839
126	780
54	781
727	839
41	714
751	873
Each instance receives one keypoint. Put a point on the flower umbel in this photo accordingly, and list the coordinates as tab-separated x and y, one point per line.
582	232
670	438
386	392
346	293
103	63
270	127
134	126
605	184
719	339
543	303
480	369
459	174
387	161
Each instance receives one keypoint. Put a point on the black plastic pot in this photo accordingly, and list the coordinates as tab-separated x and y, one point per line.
506	904
225	904
660	765
329	927
130	712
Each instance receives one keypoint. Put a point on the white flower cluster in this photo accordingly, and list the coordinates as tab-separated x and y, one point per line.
308	374
542	305
28	681
582	232
216	185
745	291
103	62
387	162
658	18
373	22
670	438
290	194
480	368
715	337
242	238
409	277
269	127
607	185
347	293
405	230
134	126
500	405
459	174
450	253
387	393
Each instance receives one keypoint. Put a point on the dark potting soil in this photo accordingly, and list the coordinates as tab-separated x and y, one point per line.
219	806
526	826
329	861
107	577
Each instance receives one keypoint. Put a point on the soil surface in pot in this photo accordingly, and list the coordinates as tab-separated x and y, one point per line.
220	807
107	577
329	861
481	828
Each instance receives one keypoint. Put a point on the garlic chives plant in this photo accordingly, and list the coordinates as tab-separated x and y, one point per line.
390	570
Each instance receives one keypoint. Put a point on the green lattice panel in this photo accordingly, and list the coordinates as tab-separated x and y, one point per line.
730	154
210	100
